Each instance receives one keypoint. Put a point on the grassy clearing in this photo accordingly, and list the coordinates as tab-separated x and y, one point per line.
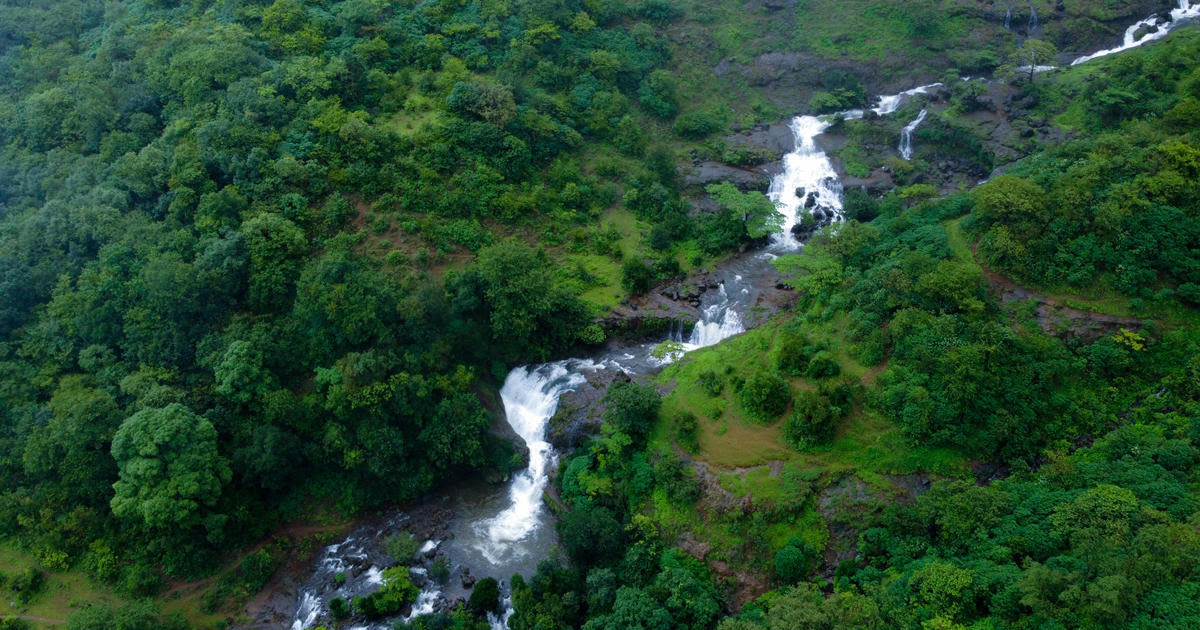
64	593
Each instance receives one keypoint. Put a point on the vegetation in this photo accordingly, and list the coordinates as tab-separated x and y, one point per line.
264	260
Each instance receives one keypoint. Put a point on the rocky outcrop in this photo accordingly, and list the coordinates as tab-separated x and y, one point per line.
706	173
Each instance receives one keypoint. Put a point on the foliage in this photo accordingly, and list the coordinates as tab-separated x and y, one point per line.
765	395
758	212
485	596
402	547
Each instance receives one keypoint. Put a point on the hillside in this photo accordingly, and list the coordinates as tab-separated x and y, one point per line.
271	273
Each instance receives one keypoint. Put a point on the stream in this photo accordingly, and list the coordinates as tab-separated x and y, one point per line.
498	531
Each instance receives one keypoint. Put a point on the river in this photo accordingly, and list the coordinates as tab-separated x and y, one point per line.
499	531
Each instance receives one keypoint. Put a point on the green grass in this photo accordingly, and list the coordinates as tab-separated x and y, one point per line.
65	591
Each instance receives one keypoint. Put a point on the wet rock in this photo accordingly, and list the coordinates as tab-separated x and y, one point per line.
800	192
1144	30
810	201
468	581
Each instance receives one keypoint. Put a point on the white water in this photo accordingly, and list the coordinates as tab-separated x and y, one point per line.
530	396
806	169
889	104
1008	19
1184	13
906	148
1033	21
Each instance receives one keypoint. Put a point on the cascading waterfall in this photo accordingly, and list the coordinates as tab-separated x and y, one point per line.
808	180
906	148
1008	19
530	396
1033	21
1155	27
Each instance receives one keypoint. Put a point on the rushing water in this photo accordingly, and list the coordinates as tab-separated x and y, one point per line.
1157	29
509	530
906	146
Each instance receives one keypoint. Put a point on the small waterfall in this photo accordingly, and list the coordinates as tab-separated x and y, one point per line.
890	103
1008	19
808	181
906	148
1033	21
1156	29
719	321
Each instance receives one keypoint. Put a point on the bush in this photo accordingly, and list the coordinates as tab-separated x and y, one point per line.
397	591
256	569
485	597
631	408
793	352
698	124
815	417
440	570
339	608
711	382
823	365
765	395
402	547
636	276
27	584
685	432
791	562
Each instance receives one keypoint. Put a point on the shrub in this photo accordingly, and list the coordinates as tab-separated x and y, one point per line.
685	432
485	597
711	382
823	365
256	569
698	124
631	408
791	562
765	395
397	590
439	571
793	352
636	276
402	547
815	416
339	608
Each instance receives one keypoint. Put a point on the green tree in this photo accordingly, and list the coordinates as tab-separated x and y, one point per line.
169	467
759	213
631	408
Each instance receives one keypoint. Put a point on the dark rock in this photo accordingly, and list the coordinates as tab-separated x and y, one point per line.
810	201
800	192
714	172
468	581
1144	31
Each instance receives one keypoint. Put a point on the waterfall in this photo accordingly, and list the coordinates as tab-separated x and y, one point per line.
530	396
1033	21
890	103
1156	29
906	149
719	321
1008	19
807	181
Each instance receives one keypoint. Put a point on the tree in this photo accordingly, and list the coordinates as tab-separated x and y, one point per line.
759	213
169	467
765	395
631	408
591	534
1033	53
530	314
485	597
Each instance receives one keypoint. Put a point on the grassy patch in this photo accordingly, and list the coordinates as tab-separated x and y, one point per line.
64	593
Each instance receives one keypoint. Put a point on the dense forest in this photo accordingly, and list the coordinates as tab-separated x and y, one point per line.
268	262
